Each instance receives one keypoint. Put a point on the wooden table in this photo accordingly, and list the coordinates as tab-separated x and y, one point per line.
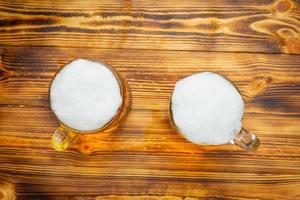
152	44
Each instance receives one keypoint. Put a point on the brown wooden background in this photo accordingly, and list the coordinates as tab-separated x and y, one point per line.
152	44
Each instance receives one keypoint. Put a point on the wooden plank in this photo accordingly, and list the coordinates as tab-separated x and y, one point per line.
222	25
146	159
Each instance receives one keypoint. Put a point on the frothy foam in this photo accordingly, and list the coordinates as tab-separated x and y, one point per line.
207	108
85	95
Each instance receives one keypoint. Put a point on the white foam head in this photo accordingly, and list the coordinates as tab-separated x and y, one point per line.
85	95
207	108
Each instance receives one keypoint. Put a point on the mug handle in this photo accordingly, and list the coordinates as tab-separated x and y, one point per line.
63	138
246	140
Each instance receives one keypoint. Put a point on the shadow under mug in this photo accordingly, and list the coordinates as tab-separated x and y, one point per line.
244	138
64	135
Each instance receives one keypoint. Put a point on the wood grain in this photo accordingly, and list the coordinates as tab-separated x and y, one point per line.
146	159
219	25
151	44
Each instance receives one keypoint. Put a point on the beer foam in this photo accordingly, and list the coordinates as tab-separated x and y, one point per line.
85	95
207	108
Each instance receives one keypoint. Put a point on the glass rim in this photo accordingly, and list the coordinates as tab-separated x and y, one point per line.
122	87
173	124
